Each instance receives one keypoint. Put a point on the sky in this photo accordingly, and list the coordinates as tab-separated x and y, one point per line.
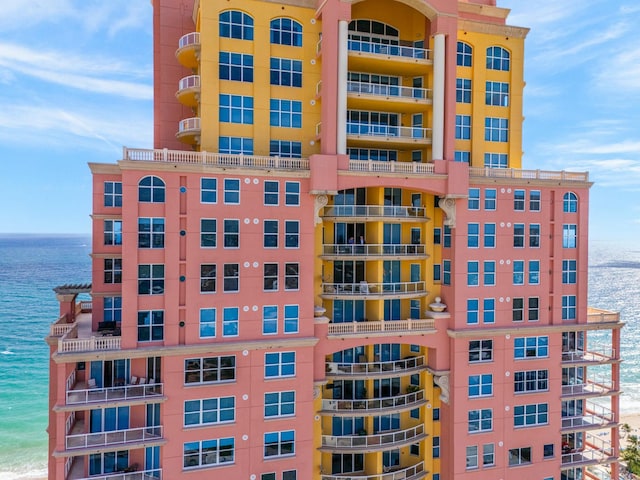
76	86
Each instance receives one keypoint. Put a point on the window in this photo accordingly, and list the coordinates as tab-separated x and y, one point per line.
292	194
488	454
270	234
495	160
113	232
286	113
570	203
569	271
209	411
112	311
208	278
446	237
279	444
112	270
231	281
480	385
547	450
517	309
279	404
446	272
292	234
269	319
472	274
472	311
291	318
151	189
207	323
473	235
489	235
534	309
473	203
472	457
279	364
270	277
569	236
231	233
235	24
271	192
568	307
150	232
528	415
231	191
489	310
518	235
436	414
285	31
236	66
236	109
208	190
285	149
489	277
531	381
230	322
436	447
437	273
150	325
534	200
150	279
518	272
235	145
286	72
480	351
519	456
209	369
291	276
437	236
531	347
497	94
463	90
462	156
414	449
463	127
490	199
112	194
208	232
480	420
463	56
496	129
208	452
497	59
534	272
534	235
518	200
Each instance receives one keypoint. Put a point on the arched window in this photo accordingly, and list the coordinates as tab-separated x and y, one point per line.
151	189
236	24
498	59
285	31
463	58
375	30
570	203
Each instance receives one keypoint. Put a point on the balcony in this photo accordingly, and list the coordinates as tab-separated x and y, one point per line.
595	417
372	443
594	387
113	440
375	369
397	98
121	394
142	475
403	168
374	251
381	328
189	91
386	136
81	338
373	291
373	406
598	355
415	472
189	130
596	452
375	213
515	173
366	55
188	52
597	315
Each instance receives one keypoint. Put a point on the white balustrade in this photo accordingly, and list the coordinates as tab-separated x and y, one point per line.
336	368
387	326
114	437
112	394
410	400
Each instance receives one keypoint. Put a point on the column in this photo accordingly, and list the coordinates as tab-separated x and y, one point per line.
437	145
341	121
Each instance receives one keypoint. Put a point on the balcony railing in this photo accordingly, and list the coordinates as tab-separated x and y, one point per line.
388	91
192	81
368	442
381	211
115	437
189	125
113	394
596	450
410	473
595	354
597	315
600	385
190	39
142	475
529	174
60	326
388	131
391	167
408	401
364	46
337	369
595	416
374	250
377	289
385	327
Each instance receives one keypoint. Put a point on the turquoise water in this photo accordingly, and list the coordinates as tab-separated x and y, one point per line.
30	266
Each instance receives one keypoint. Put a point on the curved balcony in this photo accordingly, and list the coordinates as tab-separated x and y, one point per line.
372	443
373	56
374	251
189	130
188	52
373	291
385	136
376	369
382	328
415	472
374	213
189	91
374	96
373	406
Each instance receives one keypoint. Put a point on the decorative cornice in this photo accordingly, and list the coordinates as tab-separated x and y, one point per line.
492	28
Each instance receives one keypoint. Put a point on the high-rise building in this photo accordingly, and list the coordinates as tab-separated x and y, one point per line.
332	265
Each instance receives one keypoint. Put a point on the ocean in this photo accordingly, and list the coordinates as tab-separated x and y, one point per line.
31	265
